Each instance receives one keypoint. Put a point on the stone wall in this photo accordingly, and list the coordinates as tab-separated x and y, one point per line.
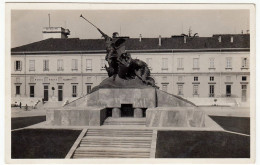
175	117
139	98
165	99
89	116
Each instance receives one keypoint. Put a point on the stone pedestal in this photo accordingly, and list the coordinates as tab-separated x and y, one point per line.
138	113
116	112
175	117
88	116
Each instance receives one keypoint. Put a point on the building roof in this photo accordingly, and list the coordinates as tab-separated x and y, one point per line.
133	44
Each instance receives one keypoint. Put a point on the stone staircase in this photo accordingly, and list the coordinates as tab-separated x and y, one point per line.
124	121
115	143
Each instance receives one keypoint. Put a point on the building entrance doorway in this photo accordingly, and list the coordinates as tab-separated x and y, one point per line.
60	93
228	90
46	93
127	110
243	93
31	91
211	91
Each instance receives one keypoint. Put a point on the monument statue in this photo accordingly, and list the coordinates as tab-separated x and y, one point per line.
121	64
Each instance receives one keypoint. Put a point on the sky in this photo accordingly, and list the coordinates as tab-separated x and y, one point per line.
26	25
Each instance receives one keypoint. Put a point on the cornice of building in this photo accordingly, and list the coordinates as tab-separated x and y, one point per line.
153	74
134	51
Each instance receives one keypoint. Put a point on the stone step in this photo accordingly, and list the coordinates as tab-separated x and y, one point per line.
119	135
82	156
101	154
112	149
100	138
115	141
119	130
125	121
117	145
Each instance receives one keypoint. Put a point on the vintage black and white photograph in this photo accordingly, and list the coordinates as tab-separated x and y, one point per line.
106	81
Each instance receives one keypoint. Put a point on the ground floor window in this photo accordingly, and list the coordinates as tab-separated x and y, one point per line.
32	91
195	90
17	90
211	90
180	89
228	90
88	89
74	90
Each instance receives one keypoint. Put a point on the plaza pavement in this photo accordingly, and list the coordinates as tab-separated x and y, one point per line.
20	112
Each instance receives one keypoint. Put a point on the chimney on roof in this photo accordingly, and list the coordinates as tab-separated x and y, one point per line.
160	40
231	39
140	37
219	38
55	32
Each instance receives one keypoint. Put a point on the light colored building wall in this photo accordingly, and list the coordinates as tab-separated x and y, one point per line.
83	76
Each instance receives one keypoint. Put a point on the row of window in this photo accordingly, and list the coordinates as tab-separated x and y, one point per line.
211	78
89	80
180	66
60	65
164	88
46	91
211	90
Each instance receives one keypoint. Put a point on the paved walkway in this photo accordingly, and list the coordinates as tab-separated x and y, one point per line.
17	112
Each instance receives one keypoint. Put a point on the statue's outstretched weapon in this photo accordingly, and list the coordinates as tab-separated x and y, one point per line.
103	34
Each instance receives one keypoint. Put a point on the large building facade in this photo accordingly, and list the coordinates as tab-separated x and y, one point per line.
201	69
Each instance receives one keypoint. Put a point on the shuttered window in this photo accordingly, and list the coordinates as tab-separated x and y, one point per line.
45	65
18	65
74	64
31	65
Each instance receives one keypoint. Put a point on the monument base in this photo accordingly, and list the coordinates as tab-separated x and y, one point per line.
159	109
175	117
